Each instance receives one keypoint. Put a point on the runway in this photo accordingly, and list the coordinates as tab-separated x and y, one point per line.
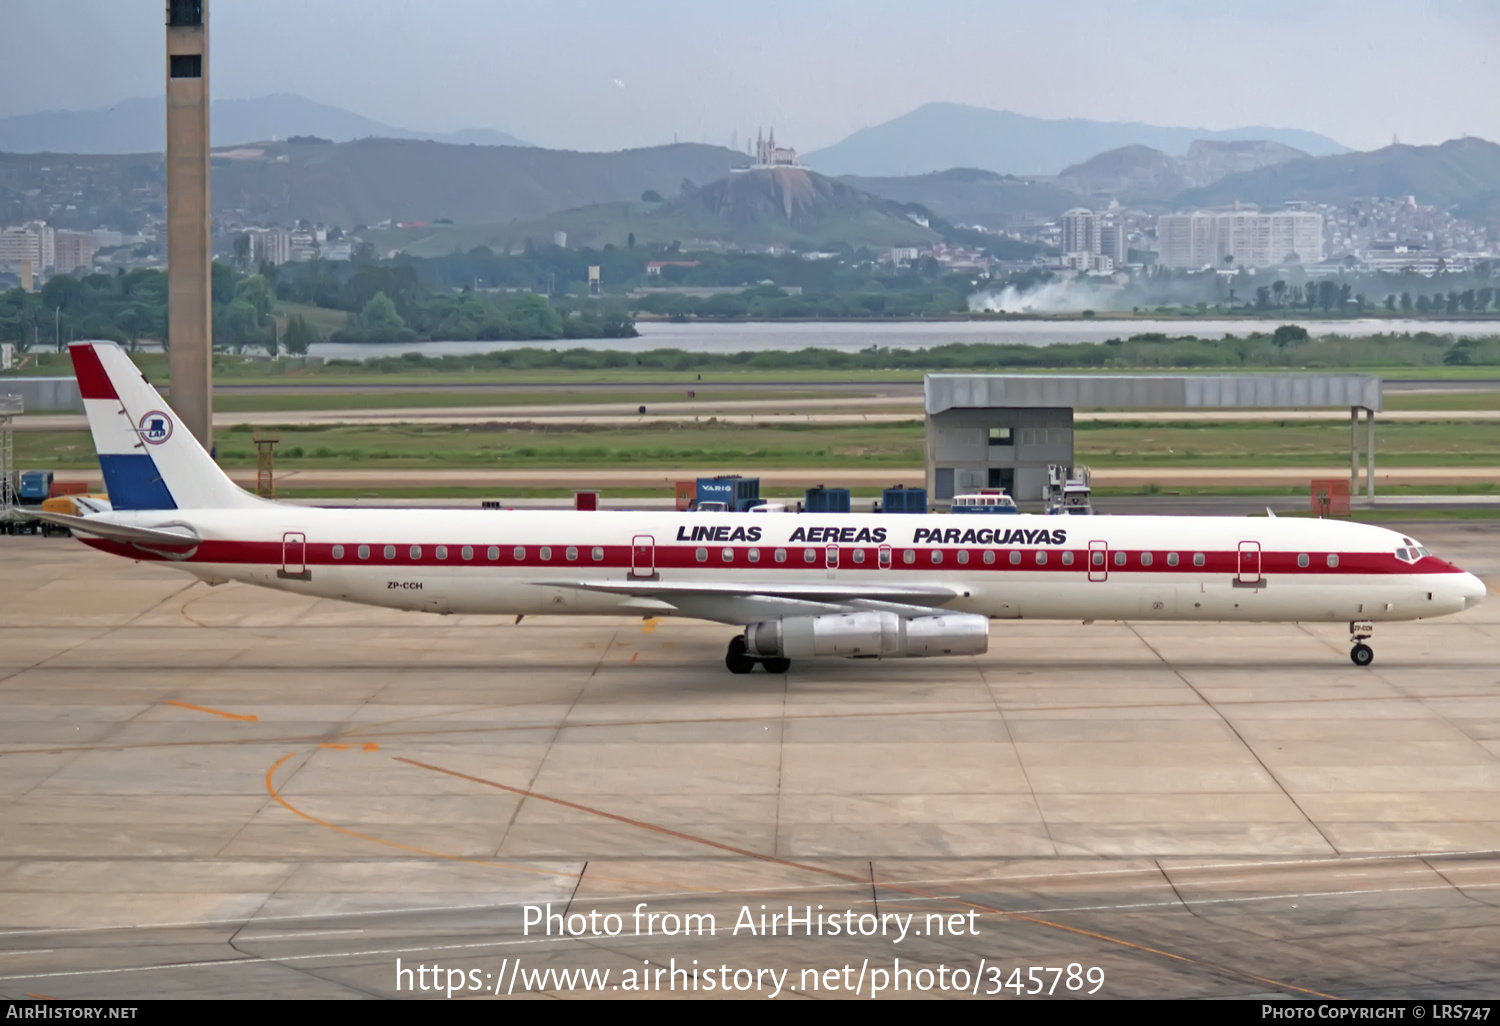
230	792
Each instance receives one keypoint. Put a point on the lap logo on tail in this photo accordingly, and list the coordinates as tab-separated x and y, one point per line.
155	427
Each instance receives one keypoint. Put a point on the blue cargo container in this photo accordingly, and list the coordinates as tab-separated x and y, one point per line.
36	486
904	500
827	500
736	493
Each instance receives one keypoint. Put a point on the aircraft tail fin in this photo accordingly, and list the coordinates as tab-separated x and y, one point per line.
150	461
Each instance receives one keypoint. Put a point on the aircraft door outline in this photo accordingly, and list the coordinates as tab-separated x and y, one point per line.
1098	561
643	557
294	557
1248	570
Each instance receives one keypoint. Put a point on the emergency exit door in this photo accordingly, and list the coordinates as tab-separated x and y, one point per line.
643	556
294	556
1249	568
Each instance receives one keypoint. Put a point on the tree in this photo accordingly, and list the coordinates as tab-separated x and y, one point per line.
1327	294
1423	304
1263	297
256	291
1346	292
1286	334
242	250
380	320
1406	302
1390	302
298	336
651	196
1278	290
630	241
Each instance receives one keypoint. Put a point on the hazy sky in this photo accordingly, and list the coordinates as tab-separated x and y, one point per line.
589	74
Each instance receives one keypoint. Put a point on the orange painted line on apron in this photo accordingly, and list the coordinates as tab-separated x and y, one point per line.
216	712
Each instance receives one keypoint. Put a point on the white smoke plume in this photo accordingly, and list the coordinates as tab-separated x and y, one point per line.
1069	296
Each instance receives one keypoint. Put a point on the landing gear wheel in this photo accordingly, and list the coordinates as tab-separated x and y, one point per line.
777	665
1362	654
736	659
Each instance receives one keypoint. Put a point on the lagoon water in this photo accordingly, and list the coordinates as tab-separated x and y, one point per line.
706	337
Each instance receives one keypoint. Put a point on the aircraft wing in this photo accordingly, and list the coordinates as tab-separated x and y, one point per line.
746	603
148	536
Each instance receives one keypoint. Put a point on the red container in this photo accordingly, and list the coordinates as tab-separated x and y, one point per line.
67	488
586	500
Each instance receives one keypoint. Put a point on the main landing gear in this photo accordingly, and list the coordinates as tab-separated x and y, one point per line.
1361	654
739	660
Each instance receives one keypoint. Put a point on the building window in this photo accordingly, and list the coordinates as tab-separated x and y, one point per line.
571	553
1001	436
338	552
467	552
963	555
187	65
442	552
598	553
518	553
1067	559
364	552
1147	559
184	13
1198	559
701	555
1171	559
1302	559
909	556
1333	559
781	555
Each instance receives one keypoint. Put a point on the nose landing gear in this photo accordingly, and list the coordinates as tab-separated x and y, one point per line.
739	660
1361	654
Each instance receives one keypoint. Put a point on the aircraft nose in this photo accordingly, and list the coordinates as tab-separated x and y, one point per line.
1472	589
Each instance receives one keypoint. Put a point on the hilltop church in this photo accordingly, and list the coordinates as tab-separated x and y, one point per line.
768	154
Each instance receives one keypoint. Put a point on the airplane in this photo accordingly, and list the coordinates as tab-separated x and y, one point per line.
795	585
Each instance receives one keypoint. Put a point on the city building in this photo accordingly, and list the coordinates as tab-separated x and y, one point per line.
269	246
304	246
1239	238
1090	243
768	154
104	238
1080	231
1112	243
36	242
72	251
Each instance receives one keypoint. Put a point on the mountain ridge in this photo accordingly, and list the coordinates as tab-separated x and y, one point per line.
937	136
138	125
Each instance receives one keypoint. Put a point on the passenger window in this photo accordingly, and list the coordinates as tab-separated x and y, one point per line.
1041	558
442	552
1333	559
753	555
338	552
989	555
909	556
937	555
364	552
1198	559
467	552
1147	559
390	552
598	553
701	555
545	552
415	552
494	553
518	553
859	556
809	556
1302	559
1171	559
1015	558
1067	559
1098	558
781	555
885	556
1119	559
726	554
571	553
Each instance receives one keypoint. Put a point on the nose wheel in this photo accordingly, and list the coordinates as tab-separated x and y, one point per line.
1359	632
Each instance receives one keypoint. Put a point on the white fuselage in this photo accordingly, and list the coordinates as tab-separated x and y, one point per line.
1062	568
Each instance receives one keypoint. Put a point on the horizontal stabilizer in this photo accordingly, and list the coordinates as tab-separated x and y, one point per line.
176	538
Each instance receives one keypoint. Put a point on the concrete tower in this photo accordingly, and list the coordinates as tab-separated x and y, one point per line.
189	277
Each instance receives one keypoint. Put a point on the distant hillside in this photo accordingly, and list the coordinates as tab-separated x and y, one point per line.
1142	173
946	135
1456	172
789	207
139	126
971	196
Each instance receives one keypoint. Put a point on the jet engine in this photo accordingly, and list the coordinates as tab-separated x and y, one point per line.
869	635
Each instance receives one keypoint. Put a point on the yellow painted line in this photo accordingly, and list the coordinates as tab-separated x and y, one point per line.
216	712
649	625
863	881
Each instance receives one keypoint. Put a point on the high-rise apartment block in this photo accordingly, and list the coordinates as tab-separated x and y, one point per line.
269	246
1238	238
73	251
1090	243
35	242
